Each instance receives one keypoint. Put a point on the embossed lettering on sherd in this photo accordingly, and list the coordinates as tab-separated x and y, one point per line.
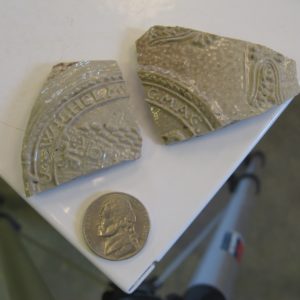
80	123
196	82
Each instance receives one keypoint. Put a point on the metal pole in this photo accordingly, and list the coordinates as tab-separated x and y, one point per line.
186	252
216	273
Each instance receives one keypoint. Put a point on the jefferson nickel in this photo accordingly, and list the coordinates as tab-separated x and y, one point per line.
116	226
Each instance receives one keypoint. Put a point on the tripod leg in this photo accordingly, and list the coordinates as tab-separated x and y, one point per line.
215	276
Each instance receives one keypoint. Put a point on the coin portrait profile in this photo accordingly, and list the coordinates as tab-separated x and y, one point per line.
116	226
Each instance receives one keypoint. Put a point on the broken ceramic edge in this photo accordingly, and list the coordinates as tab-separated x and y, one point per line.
80	123
196	82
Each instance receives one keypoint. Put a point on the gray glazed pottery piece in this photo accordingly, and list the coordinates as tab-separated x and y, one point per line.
196	82
80	123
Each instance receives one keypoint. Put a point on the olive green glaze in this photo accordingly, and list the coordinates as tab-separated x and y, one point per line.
196	82
80	123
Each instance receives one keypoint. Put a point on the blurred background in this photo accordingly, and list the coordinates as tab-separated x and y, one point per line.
270	268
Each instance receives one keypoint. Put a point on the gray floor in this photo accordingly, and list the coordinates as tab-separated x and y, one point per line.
271	269
271	265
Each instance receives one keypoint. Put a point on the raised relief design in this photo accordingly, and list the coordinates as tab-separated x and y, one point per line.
79	124
168	97
196	82
264	89
164	34
116	226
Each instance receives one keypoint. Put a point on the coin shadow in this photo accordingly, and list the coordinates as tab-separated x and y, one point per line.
128	64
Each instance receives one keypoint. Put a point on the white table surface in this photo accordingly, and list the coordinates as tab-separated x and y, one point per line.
175	182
